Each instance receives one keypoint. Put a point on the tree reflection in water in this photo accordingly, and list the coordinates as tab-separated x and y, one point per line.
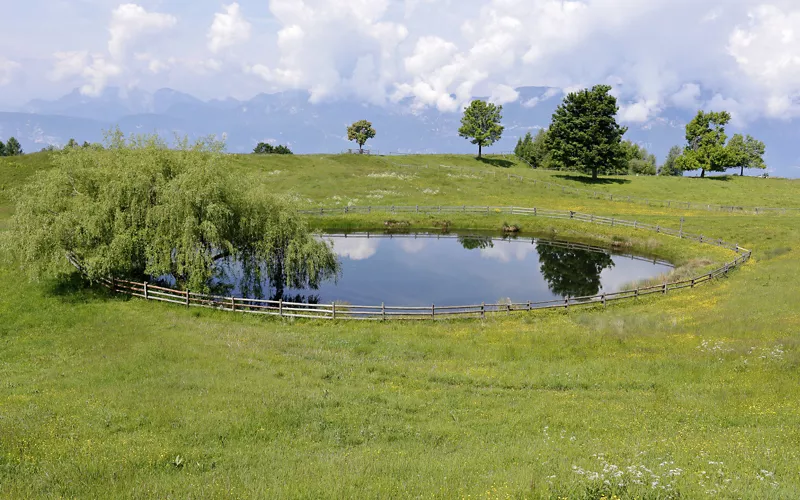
572	272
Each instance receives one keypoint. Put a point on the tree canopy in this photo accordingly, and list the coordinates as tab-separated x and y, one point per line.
670	166
705	143
640	161
481	124
572	272
533	150
138	208
265	148
584	134
13	147
746	152
2	148
360	131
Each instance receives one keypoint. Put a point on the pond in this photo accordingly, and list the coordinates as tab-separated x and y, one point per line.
450	269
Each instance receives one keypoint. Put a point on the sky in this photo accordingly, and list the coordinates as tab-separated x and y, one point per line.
739	55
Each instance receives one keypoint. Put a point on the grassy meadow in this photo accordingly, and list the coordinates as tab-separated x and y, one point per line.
690	395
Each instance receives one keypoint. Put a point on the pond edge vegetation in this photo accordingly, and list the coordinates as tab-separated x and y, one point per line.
382	312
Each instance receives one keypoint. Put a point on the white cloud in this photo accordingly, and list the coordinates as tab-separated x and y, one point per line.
548	94
503	94
688	97
130	21
767	51
97	75
7	69
228	29
355	248
412	246
507	251
68	64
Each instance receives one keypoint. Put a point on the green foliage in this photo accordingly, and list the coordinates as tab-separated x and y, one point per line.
572	272
72	143
481	124
584	134
705	144
2	148
746	152
360	131
264	148
476	242
670	166
533	150
640	161
138	208
13	147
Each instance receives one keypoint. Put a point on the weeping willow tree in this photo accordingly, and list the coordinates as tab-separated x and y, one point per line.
137	208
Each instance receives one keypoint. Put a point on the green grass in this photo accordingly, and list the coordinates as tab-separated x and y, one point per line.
106	397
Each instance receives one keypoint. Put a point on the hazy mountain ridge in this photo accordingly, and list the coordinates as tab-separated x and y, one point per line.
289	118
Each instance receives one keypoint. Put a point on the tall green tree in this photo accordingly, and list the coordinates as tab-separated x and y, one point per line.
584	134
481	124
2	148
533	150
138	208
71	143
13	147
360	131
746	152
670	166
705	148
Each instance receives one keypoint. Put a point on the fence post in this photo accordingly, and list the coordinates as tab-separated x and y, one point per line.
604	300
187	297
433	311
333	306
145	291
280	307
483	310
692	282
233	304
383	311
665	289
566	302
534	211
636	294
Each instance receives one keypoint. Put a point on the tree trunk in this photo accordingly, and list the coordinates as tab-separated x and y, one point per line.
741	173
361	149
479	150
702	173
594	174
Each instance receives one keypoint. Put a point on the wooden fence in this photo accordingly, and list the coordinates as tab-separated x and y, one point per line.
381	312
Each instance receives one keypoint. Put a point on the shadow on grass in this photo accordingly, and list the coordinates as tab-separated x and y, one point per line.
583	179
717	177
496	162
75	289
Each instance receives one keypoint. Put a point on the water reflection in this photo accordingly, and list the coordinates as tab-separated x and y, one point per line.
572	272
455	269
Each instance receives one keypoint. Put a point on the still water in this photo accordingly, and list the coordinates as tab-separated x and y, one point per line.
422	269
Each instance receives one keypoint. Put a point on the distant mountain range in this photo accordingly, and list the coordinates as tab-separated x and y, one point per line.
288	118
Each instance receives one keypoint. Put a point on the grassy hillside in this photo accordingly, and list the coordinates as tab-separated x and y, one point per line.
689	395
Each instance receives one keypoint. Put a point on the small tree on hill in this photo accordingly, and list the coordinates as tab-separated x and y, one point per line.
705	144
282	150
746	152
670	166
533	150
361	131
481	124
13	147
72	143
584	134
263	148
2	148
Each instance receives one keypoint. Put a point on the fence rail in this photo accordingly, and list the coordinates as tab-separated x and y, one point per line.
602	195
383	312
